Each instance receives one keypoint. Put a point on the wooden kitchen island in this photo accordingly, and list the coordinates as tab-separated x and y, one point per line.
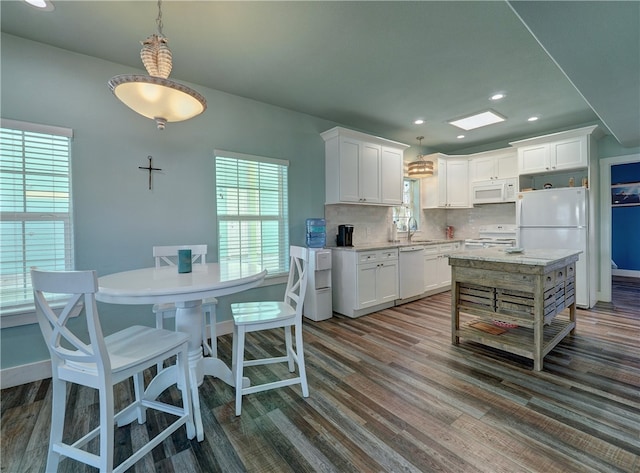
527	289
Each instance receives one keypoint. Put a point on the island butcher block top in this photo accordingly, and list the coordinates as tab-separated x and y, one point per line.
516	297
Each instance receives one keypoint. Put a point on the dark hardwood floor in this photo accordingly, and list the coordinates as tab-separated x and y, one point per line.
389	393
625	292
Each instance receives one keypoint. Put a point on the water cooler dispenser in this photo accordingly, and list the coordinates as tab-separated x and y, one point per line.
317	300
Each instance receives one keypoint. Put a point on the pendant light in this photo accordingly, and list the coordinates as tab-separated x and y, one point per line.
420	167
155	96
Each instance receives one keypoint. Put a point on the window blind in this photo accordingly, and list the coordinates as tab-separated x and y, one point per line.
252	210
35	208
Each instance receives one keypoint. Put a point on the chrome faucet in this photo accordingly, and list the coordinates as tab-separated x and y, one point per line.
409	232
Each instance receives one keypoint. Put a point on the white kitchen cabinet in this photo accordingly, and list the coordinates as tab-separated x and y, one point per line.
449	185
493	165
391	181
362	169
431	279
437	272
557	152
364	281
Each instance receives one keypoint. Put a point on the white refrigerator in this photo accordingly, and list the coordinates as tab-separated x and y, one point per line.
559	219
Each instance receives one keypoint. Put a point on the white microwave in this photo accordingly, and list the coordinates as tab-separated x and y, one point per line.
495	191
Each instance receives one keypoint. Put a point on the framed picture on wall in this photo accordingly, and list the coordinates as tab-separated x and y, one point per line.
624	195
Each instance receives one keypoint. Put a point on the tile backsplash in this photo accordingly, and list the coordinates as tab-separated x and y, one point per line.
371	224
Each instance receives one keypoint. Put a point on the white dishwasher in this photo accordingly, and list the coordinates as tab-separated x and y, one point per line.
411	268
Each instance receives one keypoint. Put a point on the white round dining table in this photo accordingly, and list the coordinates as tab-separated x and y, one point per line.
187	290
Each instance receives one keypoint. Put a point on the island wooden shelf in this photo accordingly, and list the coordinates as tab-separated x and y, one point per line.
527	289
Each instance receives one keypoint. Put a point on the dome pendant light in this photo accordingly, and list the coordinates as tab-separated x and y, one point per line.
155	96
420	167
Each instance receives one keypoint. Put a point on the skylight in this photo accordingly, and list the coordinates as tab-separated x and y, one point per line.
478	120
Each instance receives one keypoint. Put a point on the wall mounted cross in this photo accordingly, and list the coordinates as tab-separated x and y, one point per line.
150	168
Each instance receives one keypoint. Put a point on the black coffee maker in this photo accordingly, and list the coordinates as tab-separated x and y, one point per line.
345	235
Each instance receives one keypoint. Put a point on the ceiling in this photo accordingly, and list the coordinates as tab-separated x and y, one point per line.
378	66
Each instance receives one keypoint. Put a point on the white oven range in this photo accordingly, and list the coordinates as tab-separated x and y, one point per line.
495	235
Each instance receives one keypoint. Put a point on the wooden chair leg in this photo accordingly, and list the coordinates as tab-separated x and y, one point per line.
301	365
138	389
214	334
188	388
59	402
210	346
238	364
289	348
160	324
106	428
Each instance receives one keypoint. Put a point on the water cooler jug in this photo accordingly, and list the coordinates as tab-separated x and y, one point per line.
317	300
316	232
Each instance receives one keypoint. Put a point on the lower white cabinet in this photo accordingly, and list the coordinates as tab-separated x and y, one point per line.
367	281
437	272
364	281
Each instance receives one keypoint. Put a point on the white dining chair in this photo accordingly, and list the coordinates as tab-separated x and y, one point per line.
265	315
168	256
101	363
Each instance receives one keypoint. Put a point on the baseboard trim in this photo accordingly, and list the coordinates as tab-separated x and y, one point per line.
30	372
22	374
629	273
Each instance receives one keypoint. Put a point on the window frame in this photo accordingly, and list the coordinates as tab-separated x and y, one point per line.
282	218
23	312
412	206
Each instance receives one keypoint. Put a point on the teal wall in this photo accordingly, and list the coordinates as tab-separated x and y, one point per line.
117	218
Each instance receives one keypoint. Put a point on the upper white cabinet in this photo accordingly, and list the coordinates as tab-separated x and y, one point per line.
362	169
557	152
390	180
493	165
449	185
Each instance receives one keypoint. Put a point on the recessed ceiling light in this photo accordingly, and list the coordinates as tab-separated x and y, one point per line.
532	119
497	96
419	121
478	120
44	5
460	137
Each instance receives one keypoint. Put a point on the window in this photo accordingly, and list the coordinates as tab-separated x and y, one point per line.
252	209
35	208
410	206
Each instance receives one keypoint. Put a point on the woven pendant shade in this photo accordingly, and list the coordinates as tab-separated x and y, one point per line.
420	168
156	56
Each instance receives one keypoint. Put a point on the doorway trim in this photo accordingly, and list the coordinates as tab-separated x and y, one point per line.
605	220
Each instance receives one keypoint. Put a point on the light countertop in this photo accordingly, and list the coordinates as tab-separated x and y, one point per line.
385	245
533	257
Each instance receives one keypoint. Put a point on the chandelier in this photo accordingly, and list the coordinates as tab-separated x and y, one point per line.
155	96
420	167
